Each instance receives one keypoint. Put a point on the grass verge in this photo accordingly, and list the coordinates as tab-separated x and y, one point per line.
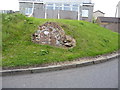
18	50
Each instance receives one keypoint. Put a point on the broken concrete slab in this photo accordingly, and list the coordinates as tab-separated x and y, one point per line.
51	33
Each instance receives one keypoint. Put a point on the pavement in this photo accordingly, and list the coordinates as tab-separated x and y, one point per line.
103	75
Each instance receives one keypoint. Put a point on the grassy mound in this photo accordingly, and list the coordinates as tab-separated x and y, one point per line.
18	50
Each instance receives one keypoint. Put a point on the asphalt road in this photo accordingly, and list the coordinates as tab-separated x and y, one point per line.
104	75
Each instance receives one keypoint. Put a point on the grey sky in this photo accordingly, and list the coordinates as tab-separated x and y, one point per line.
106	6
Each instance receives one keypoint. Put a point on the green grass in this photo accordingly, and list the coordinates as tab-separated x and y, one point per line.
18	50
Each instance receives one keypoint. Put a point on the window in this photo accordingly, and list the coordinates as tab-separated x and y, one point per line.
84	13
66	8
28	11
58	6
74	8
67	5
75	5
49	6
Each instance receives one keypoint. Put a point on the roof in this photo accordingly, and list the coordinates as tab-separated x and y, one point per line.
99	11
109	19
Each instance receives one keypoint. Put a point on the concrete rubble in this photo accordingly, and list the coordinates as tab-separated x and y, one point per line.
51	33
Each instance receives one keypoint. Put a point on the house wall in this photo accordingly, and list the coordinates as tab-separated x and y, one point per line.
64	14
39	11
68	15
98	14
90	13
112	26
52	14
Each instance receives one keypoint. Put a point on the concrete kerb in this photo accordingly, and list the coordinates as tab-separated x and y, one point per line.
74	64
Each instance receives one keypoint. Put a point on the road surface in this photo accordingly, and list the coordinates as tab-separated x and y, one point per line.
104	75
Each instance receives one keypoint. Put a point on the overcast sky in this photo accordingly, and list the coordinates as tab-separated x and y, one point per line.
106	6
9	5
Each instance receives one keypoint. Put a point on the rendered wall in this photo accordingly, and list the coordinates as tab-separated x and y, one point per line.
68	15
39	12
112	26
52	14
98	14
90	13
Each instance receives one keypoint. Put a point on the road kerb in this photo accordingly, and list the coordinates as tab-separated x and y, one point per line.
58	67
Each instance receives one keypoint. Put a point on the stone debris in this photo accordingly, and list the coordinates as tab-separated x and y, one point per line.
51	33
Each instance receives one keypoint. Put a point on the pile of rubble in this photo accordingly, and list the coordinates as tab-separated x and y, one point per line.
51	33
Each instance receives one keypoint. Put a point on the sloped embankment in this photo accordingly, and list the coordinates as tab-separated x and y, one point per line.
18	49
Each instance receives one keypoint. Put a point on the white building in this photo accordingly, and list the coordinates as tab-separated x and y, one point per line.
64	9
97	14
